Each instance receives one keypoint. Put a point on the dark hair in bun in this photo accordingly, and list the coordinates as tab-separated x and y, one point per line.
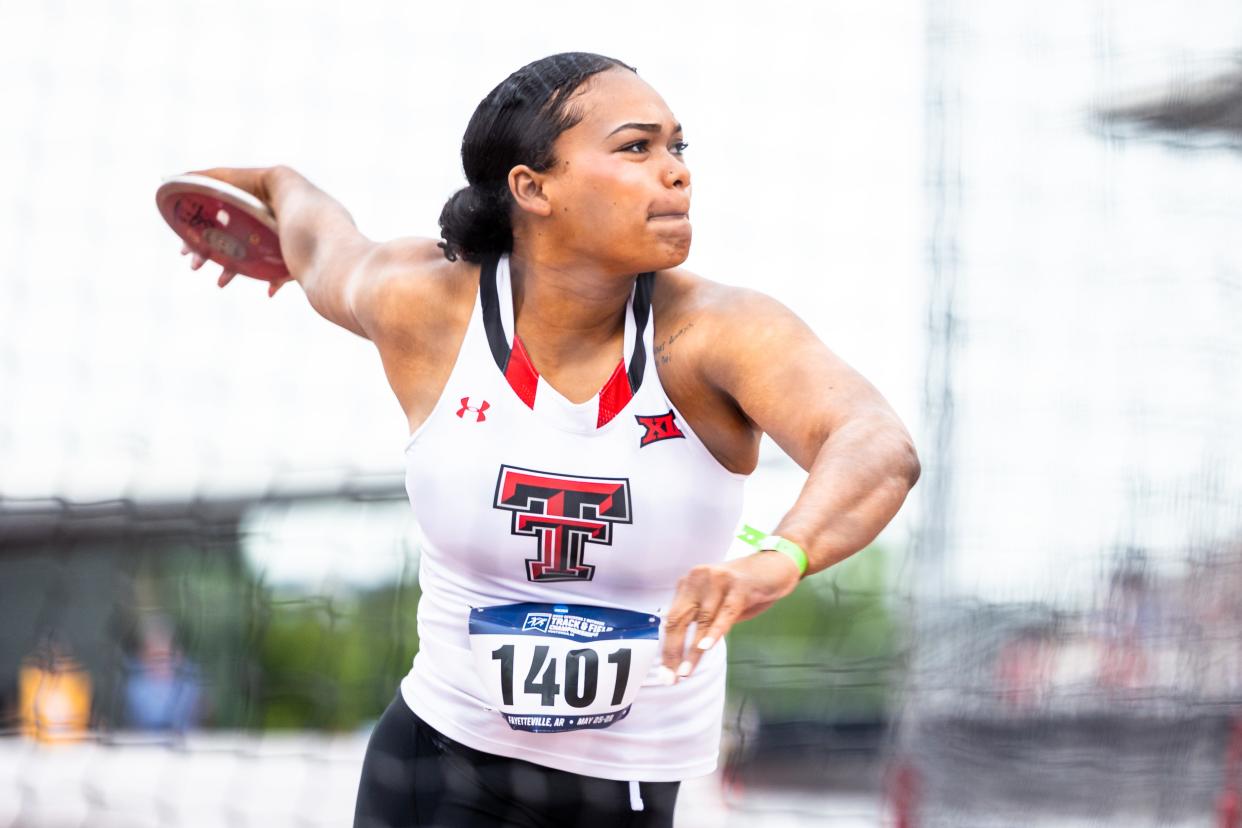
516	123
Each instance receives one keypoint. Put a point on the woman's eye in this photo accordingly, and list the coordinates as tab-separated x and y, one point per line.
641	146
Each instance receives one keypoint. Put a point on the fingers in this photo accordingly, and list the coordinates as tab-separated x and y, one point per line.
727	614
710	597
227	274
676	622
196	261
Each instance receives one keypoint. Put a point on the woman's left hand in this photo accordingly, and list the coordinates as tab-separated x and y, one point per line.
715	597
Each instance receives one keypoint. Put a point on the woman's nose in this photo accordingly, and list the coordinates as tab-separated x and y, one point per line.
678	175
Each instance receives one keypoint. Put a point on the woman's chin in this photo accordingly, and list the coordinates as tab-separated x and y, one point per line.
676	260
663	260
671	251
644	254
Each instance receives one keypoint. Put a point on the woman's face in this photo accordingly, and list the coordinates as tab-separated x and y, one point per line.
619	192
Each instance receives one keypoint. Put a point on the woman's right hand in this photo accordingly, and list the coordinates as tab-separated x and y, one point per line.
227	275
257	182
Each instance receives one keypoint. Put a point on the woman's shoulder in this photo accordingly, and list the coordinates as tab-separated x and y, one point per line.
696	319
682	296
722	331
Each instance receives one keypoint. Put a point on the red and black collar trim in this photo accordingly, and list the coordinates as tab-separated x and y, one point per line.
514	362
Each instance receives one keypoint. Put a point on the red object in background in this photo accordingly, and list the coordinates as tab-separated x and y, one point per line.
223	223
903	794
1229	805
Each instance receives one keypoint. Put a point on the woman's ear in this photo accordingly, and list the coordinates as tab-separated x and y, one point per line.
526	185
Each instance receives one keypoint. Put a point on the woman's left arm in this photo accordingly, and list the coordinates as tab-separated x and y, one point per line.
832	422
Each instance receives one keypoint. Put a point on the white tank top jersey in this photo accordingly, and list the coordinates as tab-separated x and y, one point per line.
525	497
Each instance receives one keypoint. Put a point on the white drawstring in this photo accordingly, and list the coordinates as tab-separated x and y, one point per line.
636	797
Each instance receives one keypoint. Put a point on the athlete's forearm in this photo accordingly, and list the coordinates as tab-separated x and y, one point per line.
319	241
311	223
860	478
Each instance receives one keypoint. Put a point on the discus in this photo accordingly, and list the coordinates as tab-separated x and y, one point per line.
223	223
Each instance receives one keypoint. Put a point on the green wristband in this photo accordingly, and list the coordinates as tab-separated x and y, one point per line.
763	542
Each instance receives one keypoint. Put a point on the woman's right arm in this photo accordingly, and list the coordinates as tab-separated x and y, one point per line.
348	278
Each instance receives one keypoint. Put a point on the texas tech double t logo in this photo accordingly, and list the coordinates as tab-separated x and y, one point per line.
564	513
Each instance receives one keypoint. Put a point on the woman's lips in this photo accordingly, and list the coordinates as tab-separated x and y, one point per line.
669	217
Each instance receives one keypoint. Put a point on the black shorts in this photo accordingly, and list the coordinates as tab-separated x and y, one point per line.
414	775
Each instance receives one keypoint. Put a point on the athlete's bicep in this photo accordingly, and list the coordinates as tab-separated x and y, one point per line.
784	379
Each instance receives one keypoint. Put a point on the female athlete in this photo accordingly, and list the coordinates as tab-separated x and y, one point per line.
583	414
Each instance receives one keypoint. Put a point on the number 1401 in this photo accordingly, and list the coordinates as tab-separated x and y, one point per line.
581	675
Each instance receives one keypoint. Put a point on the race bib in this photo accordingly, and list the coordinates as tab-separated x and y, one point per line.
549	668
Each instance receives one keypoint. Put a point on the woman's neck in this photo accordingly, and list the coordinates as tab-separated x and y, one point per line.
565	311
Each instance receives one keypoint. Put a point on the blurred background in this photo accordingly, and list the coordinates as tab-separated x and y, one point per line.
1015	219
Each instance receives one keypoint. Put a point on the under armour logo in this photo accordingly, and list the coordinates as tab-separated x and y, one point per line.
659	427
477	410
